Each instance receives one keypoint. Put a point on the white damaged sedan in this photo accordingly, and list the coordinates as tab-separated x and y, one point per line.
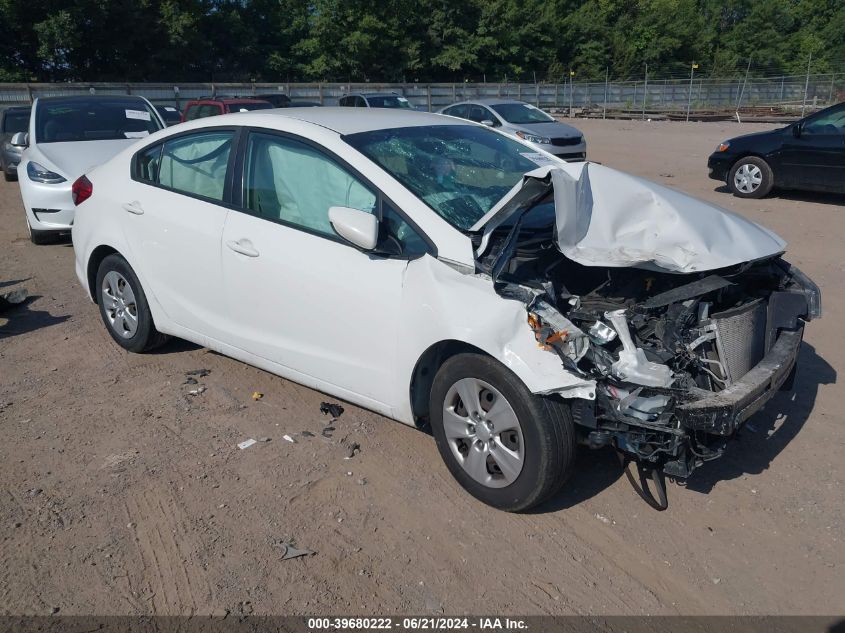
445	274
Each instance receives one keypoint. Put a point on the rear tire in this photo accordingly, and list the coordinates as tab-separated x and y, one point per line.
124	308
509	448
750	177
9	177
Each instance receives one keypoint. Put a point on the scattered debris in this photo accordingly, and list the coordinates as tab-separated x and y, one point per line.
200	373
307	434
667	175
35	492
263	439
602	518
257	395
352	448
362	482
190	380
289	551
197	391
327	431
332	409
13	298
288	438
246	443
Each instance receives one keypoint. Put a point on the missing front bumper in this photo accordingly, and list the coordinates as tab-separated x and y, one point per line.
723	412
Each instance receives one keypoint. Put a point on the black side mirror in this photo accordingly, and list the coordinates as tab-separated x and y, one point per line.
796	130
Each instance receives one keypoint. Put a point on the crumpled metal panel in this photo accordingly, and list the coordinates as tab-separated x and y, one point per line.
609	218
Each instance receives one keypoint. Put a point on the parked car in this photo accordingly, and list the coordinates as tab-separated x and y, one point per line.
375	100
808	154
305	104
67	137
278	99
527	122
169	114
13	120
517	304
201	108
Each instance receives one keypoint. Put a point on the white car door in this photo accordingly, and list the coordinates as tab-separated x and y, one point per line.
175	223
297	294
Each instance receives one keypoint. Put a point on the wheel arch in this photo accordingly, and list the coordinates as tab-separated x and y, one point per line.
426	368
94	260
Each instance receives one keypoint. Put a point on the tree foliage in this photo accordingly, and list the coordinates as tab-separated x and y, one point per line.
413	40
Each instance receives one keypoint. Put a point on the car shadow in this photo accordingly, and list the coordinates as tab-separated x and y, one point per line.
175	346
767	433
594	471
13	282
817	197
23	319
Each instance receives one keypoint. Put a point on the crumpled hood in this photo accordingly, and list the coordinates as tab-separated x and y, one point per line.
608	218
76	158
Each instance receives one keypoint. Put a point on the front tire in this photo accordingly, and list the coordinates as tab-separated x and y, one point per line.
750	177
124	308
507	447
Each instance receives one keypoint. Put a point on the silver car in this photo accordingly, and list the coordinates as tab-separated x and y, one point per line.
526	121
12	121
375	100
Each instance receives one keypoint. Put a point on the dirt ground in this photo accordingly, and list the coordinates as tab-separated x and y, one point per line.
124	494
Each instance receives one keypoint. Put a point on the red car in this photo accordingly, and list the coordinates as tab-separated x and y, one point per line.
201	108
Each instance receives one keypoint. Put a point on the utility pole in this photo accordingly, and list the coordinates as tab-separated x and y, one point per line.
606	76
689	92
806	86
645	90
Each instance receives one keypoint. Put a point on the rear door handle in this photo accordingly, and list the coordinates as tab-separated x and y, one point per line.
244	247
134	207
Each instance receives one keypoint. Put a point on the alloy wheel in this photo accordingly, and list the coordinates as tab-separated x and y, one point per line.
119	304
483	432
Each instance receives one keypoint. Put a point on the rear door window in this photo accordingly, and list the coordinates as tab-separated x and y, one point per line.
194	164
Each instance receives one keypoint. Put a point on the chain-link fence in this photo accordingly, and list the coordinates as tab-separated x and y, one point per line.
790	94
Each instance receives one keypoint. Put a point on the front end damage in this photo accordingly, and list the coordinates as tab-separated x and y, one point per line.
680	358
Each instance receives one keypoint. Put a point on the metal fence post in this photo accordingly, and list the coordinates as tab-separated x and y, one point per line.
320	92
606	76
428	95
830	95
689	92
806	85
645	90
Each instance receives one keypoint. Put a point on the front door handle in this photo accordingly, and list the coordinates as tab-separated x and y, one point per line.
244	247
134	207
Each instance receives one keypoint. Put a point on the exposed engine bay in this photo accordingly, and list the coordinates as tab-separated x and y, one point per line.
679	360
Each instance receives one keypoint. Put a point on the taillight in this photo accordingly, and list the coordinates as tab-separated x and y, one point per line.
81	190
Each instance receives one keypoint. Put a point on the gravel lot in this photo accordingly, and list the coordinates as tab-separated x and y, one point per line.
124	494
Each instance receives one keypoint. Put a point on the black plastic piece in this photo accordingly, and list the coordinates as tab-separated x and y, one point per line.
646	473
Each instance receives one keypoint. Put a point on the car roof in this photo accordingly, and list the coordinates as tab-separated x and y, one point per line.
72	98
490	101
340	120
227	100
372	94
